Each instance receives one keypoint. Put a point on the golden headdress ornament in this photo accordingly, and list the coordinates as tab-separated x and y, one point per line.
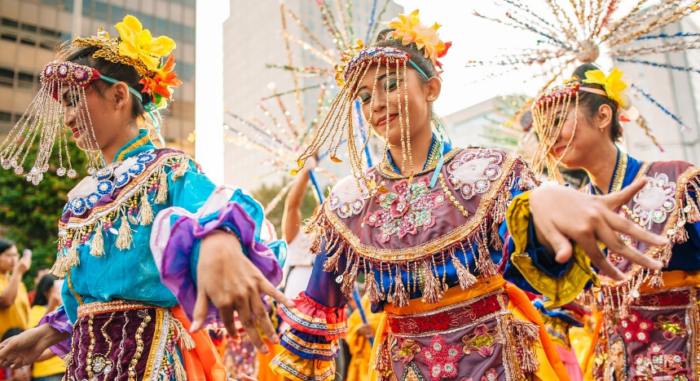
409	29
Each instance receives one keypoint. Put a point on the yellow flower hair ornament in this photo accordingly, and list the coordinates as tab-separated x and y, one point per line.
409	29
138	43
613	84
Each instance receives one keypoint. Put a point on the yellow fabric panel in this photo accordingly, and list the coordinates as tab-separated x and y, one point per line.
360	348
17	315
559	291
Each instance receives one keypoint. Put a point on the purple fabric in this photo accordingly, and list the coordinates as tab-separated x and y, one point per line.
176	272
59	320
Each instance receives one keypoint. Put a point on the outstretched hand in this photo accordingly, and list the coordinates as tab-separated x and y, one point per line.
561	214
231	282
25	348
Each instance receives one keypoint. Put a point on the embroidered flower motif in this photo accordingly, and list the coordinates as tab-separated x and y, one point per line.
657	364
404	351
474	172
346	199
672	326
482	341
635	328
442	358
405	209
491	375
655	200
138	43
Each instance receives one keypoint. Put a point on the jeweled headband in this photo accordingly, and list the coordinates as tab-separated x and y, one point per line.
42	122
354	66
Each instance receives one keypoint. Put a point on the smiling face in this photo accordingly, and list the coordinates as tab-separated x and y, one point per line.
8	259
384	103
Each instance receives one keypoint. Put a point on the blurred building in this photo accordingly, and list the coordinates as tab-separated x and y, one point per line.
252	40
30	30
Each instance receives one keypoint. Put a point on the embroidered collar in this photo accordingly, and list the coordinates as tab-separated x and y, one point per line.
139	144
388	168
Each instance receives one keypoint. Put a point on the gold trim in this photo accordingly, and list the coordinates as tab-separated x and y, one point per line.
433	246
96	308
134	184
139	143
387	173
157	334
75	294
620	172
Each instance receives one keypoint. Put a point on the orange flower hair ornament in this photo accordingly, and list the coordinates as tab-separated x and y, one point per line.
409	29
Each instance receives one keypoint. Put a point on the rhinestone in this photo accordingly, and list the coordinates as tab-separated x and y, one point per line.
641	336
440	199
34	171
6	164
449	367
72	173
491	377
61	171
19	170
91	171
437	346
339	279
453	352
677	359
635	294
436	370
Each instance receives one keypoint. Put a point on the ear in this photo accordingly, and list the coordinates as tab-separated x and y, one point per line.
605	115
121	95
432	89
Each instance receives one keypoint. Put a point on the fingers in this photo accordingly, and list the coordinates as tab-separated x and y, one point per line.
201	308
549	236
613	242
268	289
615	199
226	313
589	244
623	225
263	318
244	314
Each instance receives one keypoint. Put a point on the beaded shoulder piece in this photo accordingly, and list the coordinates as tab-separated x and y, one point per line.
664	206
122	194
407	226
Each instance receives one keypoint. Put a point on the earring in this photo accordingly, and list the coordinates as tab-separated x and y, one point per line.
601	128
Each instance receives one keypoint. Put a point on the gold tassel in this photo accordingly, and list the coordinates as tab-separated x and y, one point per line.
694	215
97	247
680	235
400	295
124	239
432	292
181	169
526	335
496	240
72	259
657	280
331	262
162	196
371	287
146	210
487	268
58	268
350	277
466	278
183	337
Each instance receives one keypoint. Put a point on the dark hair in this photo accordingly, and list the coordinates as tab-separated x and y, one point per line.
5	244
591	102
42	288
11	332
120	72
417	55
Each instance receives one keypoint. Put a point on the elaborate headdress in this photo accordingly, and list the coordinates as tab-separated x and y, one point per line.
43	119
549	113
355	64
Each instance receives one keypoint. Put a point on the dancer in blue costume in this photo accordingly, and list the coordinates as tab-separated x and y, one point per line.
147	243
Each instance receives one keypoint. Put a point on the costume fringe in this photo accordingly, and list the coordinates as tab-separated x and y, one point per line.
432	292
97	247
526	335
124	239
162	196
466	279
400	294
146	210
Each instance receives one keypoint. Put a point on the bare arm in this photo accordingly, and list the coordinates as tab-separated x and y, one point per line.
291	220
7	299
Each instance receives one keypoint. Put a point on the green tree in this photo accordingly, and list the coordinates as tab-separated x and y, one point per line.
266	193
29	213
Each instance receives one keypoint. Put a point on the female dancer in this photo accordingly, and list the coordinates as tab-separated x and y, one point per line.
427	227
145	232
648	328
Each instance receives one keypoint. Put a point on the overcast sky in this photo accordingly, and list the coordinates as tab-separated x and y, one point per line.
475	38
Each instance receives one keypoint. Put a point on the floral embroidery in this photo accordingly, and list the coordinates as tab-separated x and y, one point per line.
411	373
635	328
442	358
672	326
655	200
474	172
404	351
405	209
347	199
491	375
482	341
657	364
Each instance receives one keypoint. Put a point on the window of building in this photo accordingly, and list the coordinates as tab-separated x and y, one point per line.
5	117
146	21
187	71
47	46
117	14
29	28
26	41
101	10
25	80
65	36
161	27
10	23
7	77
176	31
17	118
49	32
50	2
67	5
8	37
189	34
87	7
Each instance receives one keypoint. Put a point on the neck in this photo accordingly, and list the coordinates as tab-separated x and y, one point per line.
601	167
420	148
109	151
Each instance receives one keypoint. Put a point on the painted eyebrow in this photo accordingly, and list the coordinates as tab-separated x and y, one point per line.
378	79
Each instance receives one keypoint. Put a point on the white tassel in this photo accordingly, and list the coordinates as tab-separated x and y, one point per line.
145	211
97	247
124	239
